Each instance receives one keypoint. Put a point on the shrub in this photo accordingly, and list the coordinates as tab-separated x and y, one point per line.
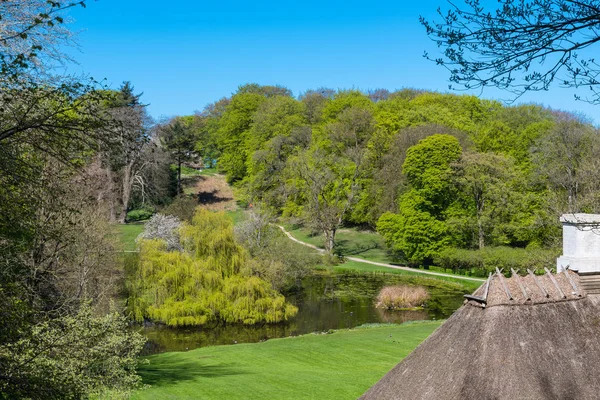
75	356
480	262
401	296
182	207
162	227
140	214
276	258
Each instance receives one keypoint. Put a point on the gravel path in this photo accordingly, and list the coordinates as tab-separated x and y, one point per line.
362	260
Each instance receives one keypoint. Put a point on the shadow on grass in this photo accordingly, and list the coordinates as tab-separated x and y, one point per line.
211	197
345	247
163	373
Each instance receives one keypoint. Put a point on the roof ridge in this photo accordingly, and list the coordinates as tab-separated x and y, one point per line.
526	290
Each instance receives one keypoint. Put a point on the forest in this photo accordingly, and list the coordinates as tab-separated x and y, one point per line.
446	179
449	181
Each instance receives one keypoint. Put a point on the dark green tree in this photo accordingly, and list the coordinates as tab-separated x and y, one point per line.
179	139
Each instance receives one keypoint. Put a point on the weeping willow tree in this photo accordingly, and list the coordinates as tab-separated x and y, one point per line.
204	283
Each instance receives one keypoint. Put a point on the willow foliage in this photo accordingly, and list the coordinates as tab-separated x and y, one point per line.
205	283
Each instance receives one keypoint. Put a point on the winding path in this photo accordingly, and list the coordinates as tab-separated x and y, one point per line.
362	260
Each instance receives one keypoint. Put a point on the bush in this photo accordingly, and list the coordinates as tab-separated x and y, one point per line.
162	227
140	214
401	296
276	258
481	262
73	357
182	207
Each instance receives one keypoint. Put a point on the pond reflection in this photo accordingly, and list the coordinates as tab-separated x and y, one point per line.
325	302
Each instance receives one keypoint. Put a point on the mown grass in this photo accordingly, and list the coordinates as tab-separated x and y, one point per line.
349	242
189	172
341	365
369	245
469	286
236	216
128	234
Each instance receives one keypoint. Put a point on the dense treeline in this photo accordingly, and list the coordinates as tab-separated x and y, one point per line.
430	171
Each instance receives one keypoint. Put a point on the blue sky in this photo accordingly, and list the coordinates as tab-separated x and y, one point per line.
186	54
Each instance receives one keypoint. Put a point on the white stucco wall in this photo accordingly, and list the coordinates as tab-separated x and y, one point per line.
581	243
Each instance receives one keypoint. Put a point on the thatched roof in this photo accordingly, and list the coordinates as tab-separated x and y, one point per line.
541	348
528	289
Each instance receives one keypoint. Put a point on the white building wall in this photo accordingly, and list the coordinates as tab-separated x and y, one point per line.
581	243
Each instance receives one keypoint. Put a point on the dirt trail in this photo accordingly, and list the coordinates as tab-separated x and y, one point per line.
214	193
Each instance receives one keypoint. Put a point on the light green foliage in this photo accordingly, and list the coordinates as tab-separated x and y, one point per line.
488	259
341	365
513	131
275	116
282	262
347	158
210	237
314	101
496	201
344	100
73	357
415	234
233	133
209	281
325	186
427	167
567	158
419	230
269	167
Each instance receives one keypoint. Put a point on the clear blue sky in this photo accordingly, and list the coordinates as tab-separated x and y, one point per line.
186	54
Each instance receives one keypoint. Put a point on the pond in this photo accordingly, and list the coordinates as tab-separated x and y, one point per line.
325	302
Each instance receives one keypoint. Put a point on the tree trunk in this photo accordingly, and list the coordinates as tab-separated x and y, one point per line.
112	214
480	201
329	240
127	182
481	234
179	176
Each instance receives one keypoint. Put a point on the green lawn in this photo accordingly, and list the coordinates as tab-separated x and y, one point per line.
469	286
341	365
187	172
349	242
128	234
236	216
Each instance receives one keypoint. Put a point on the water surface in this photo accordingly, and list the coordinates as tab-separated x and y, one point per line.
339	301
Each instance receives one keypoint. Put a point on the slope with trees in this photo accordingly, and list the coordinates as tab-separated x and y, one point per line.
333	159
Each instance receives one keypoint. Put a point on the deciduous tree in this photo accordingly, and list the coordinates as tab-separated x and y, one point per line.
520	46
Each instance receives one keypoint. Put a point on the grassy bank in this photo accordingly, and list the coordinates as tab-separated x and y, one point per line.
341	365
349	242
469	286
128	234
370	246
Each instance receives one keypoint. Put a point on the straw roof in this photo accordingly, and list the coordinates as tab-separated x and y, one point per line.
544	347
